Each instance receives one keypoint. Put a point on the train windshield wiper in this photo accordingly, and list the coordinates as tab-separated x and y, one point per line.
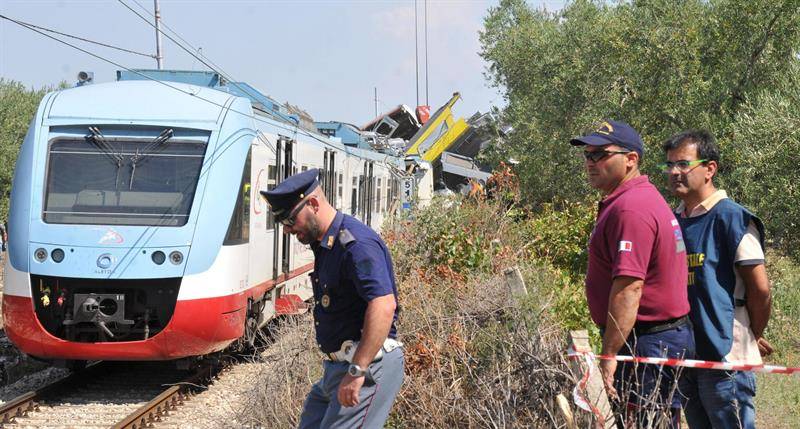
148	150
99	140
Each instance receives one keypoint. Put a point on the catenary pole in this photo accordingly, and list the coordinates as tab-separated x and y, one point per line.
159	53
427	102
416	49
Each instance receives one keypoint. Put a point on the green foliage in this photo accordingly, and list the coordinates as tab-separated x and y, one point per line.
761	162
457	236
783	334
17	107
660	65
457	239
559	234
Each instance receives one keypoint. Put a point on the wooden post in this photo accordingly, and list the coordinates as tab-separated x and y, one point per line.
515	282
595	392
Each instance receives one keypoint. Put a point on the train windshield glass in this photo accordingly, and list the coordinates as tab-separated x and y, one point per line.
122	181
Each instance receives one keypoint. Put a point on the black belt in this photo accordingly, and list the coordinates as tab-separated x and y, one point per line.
642	328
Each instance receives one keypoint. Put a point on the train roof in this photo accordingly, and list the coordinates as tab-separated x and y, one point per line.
144	101
261	103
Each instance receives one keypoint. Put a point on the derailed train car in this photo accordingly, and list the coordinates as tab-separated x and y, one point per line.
136	228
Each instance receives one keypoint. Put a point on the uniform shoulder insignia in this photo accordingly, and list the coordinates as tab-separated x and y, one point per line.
346	237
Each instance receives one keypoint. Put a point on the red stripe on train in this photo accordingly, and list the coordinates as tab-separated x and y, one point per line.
197	327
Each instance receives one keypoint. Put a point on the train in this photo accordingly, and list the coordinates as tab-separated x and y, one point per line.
136	228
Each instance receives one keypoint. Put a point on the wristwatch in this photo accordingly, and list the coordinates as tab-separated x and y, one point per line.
356	371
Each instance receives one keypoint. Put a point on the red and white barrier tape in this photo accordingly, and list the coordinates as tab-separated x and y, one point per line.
692	363
578	393
584	403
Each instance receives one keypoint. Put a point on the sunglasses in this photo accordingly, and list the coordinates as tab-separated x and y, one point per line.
290	220
596	156
683	166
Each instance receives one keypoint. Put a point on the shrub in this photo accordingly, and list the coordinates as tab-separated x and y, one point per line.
762	163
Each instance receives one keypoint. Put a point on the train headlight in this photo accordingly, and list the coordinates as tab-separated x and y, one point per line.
57	255
158	257
176	257
40	255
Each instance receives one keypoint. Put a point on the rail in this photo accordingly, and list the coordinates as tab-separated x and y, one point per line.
144	416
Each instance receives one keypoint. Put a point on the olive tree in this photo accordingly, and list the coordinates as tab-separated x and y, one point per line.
660	65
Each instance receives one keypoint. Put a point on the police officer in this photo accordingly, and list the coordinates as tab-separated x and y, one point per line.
355	308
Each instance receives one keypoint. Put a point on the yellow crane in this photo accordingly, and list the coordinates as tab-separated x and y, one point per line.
438	134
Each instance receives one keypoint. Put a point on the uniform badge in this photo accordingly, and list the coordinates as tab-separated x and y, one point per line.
325	301
330	241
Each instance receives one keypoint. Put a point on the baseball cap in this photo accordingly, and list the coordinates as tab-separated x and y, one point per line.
613	132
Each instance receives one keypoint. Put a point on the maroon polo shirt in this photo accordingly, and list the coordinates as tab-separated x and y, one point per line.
637	235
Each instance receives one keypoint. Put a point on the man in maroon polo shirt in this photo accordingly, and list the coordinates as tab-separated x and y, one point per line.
636	278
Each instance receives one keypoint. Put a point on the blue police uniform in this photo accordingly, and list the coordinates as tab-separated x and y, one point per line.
352	266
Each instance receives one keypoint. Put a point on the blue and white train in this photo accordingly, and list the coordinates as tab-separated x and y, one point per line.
136	228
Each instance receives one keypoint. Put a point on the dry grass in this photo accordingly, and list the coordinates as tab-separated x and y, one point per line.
476	357
291	365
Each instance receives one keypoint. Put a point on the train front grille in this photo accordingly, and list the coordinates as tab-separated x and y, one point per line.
102	310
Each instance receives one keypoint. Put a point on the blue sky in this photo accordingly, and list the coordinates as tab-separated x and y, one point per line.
324	56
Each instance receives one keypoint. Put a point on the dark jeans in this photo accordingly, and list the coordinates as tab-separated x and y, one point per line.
651	391
719	399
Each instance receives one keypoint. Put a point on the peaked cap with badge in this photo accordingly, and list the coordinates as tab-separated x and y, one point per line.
284	197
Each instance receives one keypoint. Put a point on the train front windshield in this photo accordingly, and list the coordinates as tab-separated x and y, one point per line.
105	180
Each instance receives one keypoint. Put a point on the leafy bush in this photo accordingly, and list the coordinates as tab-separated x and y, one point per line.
17	107
559	233
763	158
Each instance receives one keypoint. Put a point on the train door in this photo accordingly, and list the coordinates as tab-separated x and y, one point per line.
288	170
362	193
332	178
354	197
328	178
370	192
276	242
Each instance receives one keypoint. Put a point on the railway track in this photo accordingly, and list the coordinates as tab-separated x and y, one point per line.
108	394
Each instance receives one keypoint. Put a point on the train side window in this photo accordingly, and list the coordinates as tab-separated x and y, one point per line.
239	226
339	192
387	184
354	197
379	207
363	197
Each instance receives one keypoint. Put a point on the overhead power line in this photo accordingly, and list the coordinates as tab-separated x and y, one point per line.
294	130
176	34
277	124
191	52
50	30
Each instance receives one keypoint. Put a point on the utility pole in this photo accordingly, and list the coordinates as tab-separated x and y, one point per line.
376	101
416	49
159	54
427	103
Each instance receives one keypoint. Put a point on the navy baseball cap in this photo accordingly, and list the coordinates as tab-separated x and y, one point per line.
290	192
613	132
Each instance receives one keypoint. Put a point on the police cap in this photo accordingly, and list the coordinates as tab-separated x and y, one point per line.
290	192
